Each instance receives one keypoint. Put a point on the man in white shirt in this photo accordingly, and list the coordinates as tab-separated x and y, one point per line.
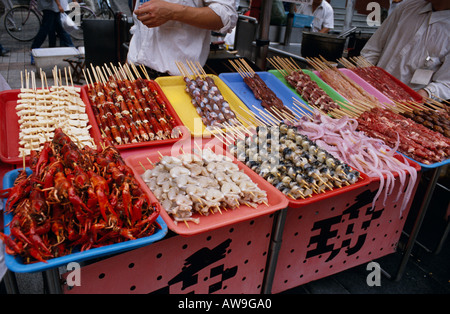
322	12
413	45
177	30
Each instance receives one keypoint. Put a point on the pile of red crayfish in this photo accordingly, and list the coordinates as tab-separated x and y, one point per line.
75	199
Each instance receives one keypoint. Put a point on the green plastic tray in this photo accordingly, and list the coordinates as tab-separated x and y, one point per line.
329	90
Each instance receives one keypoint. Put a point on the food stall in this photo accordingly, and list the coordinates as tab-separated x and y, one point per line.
164	197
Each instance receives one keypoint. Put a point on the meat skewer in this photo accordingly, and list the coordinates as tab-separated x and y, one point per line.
342	84
261	91
303	84
128	109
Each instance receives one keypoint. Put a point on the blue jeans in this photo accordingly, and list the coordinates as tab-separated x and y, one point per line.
51	26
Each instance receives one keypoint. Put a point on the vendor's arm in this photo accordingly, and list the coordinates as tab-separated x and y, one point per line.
328	21
60	8
216	16
440	82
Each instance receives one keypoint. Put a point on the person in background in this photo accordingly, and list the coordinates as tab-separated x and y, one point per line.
323	15
51	24
165	32
413	45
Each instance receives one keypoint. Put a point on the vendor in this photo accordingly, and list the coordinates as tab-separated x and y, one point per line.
165	32
413	45
323	15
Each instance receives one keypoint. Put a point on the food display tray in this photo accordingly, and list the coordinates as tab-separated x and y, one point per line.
15	263
430	166
275	199
175	89
99	138
240	88
364	85
9	128
330	91
416	96
364	180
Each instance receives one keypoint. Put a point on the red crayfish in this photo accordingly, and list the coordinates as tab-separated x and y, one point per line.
75	199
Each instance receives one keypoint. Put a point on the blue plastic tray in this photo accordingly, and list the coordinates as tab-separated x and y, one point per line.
15	263
430	166
240	88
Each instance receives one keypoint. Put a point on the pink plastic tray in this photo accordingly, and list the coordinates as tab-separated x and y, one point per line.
9	128
276	200
366	86
97	133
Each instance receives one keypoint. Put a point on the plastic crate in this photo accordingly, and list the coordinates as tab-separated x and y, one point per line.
302	20
226	260
47	57
330	236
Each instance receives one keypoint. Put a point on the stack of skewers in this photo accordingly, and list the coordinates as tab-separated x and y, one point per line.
269	100
206	97
308	89
127	108
41	110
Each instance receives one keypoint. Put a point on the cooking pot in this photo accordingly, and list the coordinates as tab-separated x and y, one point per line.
326	45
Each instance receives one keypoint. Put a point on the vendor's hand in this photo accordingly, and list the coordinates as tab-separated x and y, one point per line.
61	9
423	93
155	13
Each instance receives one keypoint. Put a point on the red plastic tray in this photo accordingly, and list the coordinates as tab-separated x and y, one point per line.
364	180
9	128
97	134
416	96
276	200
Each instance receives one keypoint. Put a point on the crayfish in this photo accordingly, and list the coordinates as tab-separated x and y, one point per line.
75	199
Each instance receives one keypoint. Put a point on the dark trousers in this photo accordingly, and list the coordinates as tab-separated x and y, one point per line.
51	26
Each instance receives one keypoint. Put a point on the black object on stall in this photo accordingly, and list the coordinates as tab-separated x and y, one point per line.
100	41
326	45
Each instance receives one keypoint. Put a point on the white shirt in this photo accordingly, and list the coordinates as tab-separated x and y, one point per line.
323	15
159	48
410	35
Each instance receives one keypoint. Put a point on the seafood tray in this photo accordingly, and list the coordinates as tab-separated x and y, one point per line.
275	199
15	264
337	234
174	88
98	136
9	128
365	85
362	181
330	91
237	84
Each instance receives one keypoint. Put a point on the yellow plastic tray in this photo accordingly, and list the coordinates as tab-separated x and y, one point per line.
174	88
